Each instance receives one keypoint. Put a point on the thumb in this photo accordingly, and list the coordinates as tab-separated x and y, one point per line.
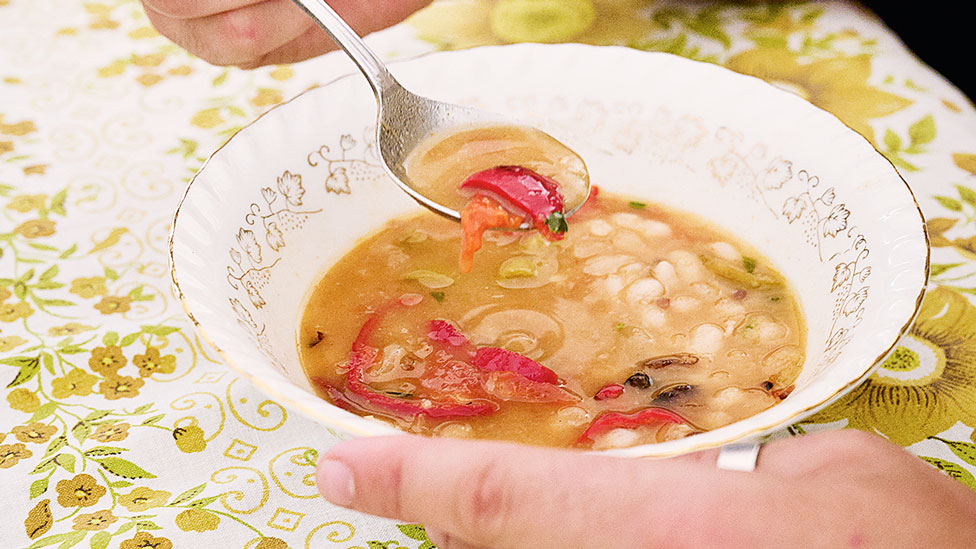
506	495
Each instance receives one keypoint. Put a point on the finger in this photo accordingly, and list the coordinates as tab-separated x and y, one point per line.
315	41
505	495
237	36
191	9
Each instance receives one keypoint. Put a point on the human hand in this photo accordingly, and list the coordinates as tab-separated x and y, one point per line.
252	33
834	489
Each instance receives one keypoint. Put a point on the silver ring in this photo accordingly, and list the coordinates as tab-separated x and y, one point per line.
739	456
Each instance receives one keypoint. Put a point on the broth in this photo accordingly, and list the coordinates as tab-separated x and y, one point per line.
637	308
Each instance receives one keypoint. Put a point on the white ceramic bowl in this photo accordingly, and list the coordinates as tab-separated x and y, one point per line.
287	196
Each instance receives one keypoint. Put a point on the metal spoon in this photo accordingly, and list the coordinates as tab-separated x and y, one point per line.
404	119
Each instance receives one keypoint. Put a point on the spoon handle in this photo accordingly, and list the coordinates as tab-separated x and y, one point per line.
372	68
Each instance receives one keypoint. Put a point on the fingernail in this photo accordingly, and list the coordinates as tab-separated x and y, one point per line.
335	482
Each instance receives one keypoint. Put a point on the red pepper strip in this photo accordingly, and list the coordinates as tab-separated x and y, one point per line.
613	390
443	331
615	420
363	355
525	190
478	215
511	386
494	359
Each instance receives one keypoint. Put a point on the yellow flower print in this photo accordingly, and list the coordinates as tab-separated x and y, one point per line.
149	79
39	520
189	439
77	382
111	433
10	312
92	522
10	454
24	203
107	360
181	70
80	491
23	400
4	294
36	169
115	388
271	543
151	362
267	97
927	384
114	304
36	433
145	540
197	520
19	129
103	24
148	60
142	498
71	328
89	287
965	161
207	118
838	85
10	343
114	68
35	228
6	146
282	73
458	24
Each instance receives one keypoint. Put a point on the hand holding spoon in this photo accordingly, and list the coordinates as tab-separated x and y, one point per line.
406	121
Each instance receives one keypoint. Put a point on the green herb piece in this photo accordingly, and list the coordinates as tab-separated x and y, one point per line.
519	266
749	263
775	298
429	279
620	326
731	270
398	394
638	205
438	296
557	222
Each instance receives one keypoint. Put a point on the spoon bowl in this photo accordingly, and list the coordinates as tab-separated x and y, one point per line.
405	119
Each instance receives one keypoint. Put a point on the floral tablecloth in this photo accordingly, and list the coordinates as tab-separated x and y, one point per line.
119	428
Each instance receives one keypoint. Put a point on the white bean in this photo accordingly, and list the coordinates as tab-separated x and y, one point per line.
687	265
728	307
685	303
706	338
613	284
725	251
665	273
625	219
653	317
705	290
653	229
617	438
603	265
728	397
644	290
599	227
629	242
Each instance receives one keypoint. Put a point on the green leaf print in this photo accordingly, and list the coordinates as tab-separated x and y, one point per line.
188	495
123	468
954	470
413	531
965	450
